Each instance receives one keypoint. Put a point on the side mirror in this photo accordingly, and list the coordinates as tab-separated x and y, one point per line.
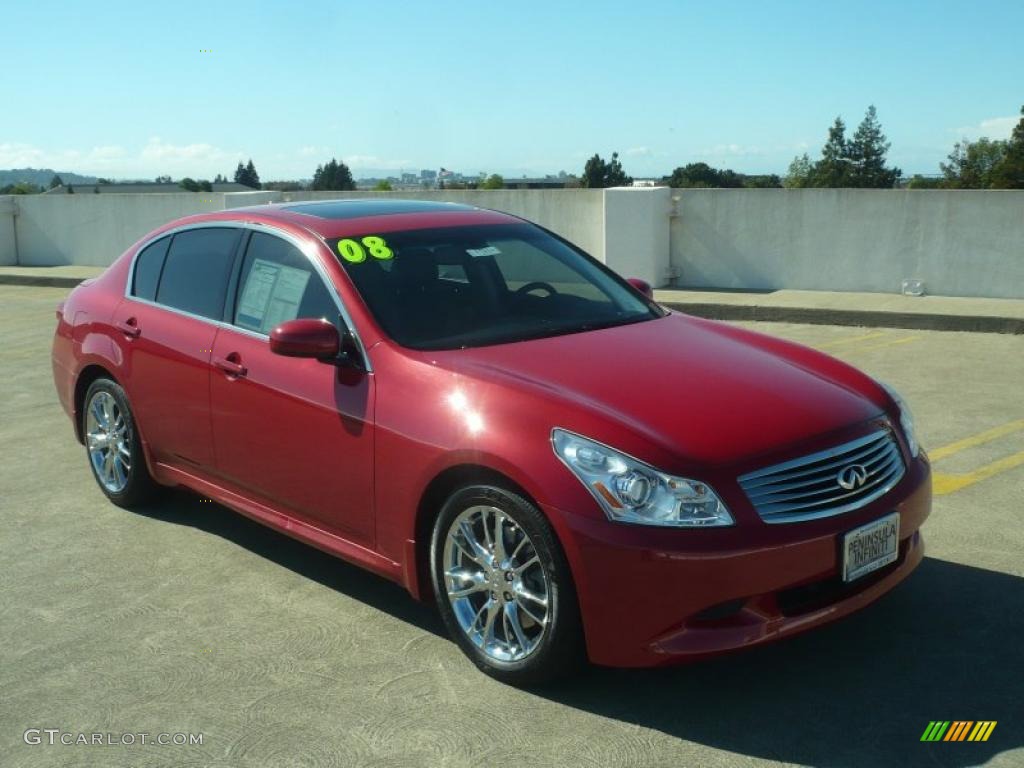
642	286
306	338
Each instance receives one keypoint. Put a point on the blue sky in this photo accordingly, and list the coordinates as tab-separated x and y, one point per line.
122	88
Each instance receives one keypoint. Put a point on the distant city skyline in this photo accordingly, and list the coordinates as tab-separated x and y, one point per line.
116	90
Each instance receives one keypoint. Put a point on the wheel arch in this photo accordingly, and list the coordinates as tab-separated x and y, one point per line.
441	486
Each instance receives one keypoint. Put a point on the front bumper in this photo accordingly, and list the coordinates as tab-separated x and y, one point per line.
650	597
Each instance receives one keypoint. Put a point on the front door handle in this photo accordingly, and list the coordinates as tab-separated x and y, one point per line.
129	328
230	365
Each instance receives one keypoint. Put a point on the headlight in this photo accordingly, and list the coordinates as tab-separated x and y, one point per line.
630	491
906	419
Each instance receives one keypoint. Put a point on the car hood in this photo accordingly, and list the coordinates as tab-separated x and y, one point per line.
707	392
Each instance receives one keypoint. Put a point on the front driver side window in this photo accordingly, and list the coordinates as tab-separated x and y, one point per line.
277	284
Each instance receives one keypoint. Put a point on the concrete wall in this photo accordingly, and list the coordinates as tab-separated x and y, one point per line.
93	230
8	250
636	232
960	243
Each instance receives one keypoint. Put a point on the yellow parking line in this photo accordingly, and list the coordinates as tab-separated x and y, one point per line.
903	340
982	437
943	484
851	340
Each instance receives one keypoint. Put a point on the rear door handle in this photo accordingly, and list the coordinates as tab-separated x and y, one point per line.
129	328
230	365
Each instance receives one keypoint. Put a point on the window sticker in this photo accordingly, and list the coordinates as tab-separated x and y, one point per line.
354	251
272	295
490	250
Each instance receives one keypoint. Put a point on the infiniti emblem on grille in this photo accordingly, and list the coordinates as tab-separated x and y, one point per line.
852	477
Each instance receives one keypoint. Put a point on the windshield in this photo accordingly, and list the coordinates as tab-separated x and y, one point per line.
473	286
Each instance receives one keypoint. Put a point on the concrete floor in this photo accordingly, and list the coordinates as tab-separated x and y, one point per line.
189	618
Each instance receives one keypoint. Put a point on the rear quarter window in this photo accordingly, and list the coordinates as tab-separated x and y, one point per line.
197	269
148	264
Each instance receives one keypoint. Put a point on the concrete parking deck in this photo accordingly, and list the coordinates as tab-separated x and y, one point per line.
936	313
185	617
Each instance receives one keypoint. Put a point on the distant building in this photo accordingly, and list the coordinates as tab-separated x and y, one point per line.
430	176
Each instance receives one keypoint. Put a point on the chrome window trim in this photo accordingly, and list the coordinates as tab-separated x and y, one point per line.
851	445
302	246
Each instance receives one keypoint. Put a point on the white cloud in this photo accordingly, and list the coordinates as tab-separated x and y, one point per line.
639	152
732	150
174	155
992	128
373	161
20	155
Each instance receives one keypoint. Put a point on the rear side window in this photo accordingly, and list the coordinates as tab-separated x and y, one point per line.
278	284
148	264
196	273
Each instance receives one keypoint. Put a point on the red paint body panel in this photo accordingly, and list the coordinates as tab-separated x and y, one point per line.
341	458
296	434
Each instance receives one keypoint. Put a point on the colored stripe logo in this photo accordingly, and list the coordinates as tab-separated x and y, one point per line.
958	730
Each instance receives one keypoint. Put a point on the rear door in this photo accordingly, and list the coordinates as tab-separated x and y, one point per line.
296	432
169	321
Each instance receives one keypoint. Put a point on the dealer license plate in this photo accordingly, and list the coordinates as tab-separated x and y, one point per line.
871	547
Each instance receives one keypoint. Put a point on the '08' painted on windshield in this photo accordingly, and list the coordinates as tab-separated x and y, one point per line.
354	251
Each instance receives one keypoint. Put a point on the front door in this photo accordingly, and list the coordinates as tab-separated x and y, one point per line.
296	432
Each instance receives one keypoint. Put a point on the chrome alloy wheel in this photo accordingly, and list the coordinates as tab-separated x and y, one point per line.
496	584
109	441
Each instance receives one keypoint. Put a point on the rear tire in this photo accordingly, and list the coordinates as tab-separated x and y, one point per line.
112	445
504	588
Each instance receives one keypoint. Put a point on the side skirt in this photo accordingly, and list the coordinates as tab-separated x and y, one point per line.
297	529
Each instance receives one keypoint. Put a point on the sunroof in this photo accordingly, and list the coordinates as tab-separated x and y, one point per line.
353	209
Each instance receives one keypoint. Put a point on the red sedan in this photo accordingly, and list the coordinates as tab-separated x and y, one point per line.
465	403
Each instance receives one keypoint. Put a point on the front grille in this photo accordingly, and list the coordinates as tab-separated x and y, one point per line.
808	487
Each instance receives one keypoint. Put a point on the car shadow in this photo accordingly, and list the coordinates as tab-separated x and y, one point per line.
944	645
185	508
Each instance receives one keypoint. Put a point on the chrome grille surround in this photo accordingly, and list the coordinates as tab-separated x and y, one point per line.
807	488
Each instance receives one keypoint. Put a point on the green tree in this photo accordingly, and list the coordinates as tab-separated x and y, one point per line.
333	176
71	189
21	188
917	181
768	181
55	182
698	175
972	164
494	181
833	170
599	174
383	186
252	176
240	177
800	173
189	184
866	153
1009	173
164	179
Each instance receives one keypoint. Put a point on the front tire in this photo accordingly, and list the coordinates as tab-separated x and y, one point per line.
112	445
504	588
